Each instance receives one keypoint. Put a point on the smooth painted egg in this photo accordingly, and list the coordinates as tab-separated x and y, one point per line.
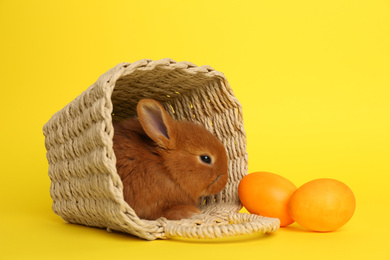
322	205
267	194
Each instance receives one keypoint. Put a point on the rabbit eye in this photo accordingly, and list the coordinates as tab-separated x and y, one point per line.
205	159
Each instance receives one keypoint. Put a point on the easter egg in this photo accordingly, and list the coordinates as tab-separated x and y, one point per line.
267	194
322	205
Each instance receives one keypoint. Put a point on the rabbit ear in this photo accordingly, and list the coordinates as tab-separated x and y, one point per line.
156	122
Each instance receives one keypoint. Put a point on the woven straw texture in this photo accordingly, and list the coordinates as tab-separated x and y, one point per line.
85	186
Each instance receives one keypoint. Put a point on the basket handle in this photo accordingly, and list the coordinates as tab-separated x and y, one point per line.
233	225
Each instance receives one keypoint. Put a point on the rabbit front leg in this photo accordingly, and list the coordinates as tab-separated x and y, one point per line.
180	211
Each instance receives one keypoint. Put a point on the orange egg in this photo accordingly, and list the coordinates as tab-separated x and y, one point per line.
267	194
322	205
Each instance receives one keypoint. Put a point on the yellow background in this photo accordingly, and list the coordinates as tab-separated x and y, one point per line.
313	78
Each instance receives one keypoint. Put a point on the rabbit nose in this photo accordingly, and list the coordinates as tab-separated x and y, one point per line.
216	179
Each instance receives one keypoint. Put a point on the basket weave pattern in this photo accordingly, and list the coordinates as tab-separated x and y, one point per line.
85	186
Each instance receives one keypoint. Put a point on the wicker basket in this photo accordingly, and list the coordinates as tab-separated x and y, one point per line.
85	186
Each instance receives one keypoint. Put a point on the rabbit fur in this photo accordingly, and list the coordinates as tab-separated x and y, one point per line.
166	166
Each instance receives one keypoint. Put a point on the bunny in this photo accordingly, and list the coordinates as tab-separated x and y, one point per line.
167	165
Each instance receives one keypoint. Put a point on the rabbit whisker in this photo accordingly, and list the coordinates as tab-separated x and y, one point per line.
216	179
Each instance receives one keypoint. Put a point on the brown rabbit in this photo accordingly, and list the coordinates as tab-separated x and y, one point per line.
167	165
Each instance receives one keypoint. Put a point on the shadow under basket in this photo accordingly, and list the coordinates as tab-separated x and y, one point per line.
85	186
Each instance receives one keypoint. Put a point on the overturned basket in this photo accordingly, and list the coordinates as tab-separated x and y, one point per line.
85	186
